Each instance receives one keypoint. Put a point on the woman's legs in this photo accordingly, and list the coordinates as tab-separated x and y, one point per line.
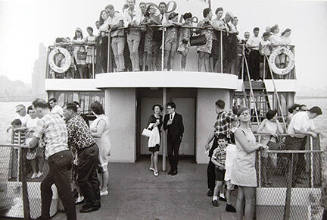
249	194
114	46
33	165
240	203
200	60
183	62
120	53
207	62
151	164
105	180
155	160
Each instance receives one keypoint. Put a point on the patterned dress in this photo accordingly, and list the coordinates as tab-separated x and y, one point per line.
206	48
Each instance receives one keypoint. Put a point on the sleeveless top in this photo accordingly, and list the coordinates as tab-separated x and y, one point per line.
243	171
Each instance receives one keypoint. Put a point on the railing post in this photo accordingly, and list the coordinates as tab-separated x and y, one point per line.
109	54
26	204
164	134
287	209
163	48
221	53
93	61
311	161
259	165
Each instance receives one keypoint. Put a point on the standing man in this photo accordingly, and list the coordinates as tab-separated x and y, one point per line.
301	125
52	128
55	108
223	125
132	19
82	142
254	56
173	122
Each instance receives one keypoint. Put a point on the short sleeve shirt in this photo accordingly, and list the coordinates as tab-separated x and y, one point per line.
223	123
219	154
114	21
52	129
79	134
300	122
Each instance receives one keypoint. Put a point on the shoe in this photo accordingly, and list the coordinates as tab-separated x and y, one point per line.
156	173
104	193
151	168
39	174
170	172
34	175
210	192
174	173
222	199
230	208
79	200
41	218
87	208
215	203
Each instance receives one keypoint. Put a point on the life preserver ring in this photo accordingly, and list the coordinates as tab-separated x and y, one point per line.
66	56
290	64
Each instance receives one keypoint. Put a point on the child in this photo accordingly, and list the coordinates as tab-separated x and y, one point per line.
171	40
33	155
219	158
184	41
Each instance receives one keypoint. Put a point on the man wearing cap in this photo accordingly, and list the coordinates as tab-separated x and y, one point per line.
301	125
254	56
52	129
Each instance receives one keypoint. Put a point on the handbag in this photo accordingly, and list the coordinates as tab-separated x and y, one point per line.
198	40
146	132
81	55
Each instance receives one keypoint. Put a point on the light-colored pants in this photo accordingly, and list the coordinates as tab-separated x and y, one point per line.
133	41
118	45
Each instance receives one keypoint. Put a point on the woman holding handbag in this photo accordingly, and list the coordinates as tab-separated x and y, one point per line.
155	122
270	127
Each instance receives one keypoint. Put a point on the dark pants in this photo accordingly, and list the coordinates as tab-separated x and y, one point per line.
173	148
299	164
254	64
60	165
87	175
211	175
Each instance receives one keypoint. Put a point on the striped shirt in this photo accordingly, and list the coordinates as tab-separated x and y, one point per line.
54	131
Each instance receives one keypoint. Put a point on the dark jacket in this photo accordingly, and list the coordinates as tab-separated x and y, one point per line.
176	129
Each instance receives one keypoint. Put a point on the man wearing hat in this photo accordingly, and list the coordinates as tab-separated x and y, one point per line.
21	114
301	125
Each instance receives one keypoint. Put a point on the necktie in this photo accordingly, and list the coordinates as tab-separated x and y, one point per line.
171	116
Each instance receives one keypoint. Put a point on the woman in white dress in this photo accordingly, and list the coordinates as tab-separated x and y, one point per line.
243	172
100	131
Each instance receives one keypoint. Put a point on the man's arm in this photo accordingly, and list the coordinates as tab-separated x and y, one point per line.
209	140
181	126
39	131
165	126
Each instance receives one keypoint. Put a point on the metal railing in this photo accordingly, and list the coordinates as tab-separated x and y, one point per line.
95	60
289	181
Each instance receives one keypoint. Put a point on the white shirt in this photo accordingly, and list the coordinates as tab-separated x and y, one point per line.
253	42
31	123
275	40
113	21
57	109
132	16
300	122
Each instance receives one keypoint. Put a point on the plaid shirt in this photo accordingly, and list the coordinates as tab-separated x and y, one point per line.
52	129
79	134
223	124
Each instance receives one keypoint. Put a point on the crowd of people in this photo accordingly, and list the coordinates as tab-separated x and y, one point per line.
70	142
137	40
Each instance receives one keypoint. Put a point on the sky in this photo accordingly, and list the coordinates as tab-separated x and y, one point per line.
24	24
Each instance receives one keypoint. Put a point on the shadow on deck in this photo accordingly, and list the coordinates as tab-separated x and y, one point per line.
135	193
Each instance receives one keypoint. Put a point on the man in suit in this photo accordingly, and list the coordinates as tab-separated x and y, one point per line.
173	123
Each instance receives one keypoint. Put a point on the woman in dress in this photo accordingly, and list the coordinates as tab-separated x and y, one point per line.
205	50
100	131
271	128
243	171
79	52
155	120
184	39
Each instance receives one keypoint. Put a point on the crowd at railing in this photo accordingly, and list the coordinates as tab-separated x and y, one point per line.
148	38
